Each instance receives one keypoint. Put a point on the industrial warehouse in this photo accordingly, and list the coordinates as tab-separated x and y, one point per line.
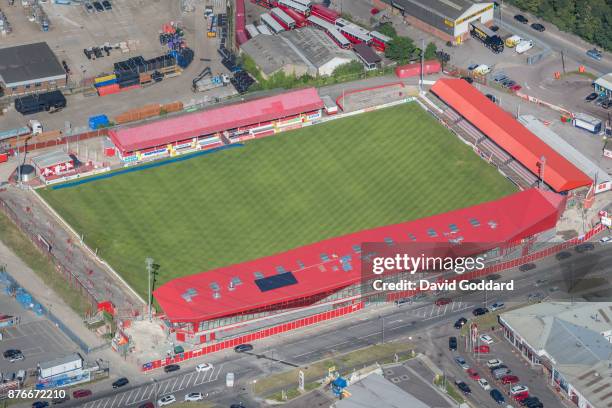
447	19
30	68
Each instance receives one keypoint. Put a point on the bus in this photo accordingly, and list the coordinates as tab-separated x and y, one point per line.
354	33
283	18
271	23
290	4
300	20
305	3
379	41
331	30
325	13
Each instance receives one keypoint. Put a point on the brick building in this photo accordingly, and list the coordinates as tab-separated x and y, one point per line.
30	68
446	19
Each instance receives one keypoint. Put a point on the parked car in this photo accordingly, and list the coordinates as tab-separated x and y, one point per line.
472	67
591	97
203	367
40	404
229	379
473	374
460	322
527	267
606	104
241	348
461	362
442	301
98	6
521	18
520	396
497	396
10	352
484	384
194	396
60	400
516	87
452	343
482	69
479	311
500	372
88	7
467	79
532	402
107	5
587	246
538	27
510	379
518	389
166	400
496	306
594	53
491	97
494	28
463	387
482	349
120	382
485	338
494	363
563	255
148	404
606	240
172	368
81	393
16	357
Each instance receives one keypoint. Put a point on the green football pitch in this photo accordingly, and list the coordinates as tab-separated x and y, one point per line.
278	193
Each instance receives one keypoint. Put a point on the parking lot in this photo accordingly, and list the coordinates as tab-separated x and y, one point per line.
414	378
36	337
531	377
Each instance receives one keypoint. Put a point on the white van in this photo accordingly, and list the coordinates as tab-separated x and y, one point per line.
513	41
229	380
482	69
523	46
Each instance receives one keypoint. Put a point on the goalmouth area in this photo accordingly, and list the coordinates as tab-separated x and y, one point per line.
277	193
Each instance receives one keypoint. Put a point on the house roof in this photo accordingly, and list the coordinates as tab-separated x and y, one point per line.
192	125
29	63
367	53
335	263
51	159
376	391
605	81
509	134
450	9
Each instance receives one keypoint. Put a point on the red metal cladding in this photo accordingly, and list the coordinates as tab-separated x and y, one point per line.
510	135
412	70
509	219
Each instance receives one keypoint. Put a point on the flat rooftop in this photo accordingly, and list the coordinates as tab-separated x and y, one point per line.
30	62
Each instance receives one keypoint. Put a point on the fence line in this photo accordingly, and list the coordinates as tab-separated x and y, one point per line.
54	319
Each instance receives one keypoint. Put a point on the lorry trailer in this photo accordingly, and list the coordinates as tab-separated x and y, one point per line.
491	40
48	101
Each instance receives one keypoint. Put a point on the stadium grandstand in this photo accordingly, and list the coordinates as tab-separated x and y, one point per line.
510	136
214	127
251	300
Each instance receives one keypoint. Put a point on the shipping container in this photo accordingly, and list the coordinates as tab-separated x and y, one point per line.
105	78
104	83
412	70
97	122
587	122
108	89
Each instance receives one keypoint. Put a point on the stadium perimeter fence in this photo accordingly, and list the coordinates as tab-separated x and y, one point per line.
8	280
46	250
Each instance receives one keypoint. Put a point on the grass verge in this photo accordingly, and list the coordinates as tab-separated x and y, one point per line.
21	245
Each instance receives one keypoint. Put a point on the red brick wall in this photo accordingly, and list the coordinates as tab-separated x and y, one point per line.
44	86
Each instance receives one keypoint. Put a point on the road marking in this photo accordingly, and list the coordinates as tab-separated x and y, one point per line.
445	308
138	392
396	321
174	384
164	391
183	380
122	397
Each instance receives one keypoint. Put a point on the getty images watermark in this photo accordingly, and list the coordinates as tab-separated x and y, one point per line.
427	267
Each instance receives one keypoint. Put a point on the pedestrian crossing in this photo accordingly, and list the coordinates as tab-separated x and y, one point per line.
157	389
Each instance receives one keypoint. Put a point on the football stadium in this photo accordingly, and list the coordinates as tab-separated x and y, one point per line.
258	231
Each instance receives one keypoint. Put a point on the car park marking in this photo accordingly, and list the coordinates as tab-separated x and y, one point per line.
183	380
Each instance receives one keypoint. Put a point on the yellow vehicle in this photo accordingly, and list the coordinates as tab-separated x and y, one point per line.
513	41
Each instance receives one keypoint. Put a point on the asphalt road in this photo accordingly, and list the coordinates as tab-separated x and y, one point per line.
571	45
416	322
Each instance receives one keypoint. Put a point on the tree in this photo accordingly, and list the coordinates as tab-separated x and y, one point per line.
400	50
387	29
430	51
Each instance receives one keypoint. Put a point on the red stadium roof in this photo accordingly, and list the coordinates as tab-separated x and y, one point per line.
509	134
321	266
216	120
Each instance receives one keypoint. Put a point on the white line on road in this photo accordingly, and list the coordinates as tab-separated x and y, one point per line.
112	403
180	387
166	387
138	392
122	397
173	388
396	321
